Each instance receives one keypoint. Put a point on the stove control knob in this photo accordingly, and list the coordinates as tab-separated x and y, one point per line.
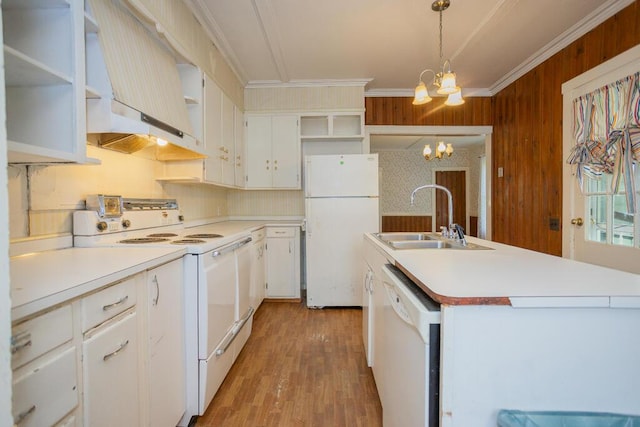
102	225
126	223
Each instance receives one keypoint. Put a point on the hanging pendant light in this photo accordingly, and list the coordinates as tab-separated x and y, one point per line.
445	79
442	149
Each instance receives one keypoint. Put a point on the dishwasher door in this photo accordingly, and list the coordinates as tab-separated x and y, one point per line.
411	353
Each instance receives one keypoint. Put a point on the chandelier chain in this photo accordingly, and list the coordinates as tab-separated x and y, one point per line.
441	38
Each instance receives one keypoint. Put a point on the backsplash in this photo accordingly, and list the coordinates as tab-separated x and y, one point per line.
42	198
403	170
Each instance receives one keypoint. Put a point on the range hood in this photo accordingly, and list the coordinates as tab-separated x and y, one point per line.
134	92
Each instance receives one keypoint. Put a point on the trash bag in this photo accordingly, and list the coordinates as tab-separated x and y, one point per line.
514	418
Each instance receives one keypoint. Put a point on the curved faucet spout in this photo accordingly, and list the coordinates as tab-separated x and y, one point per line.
449	199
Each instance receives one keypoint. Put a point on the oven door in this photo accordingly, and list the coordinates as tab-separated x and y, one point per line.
216	299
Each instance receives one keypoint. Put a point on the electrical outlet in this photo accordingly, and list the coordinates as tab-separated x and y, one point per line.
554	224
500	172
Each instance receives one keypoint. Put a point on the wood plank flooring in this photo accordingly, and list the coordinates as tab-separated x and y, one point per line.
300	367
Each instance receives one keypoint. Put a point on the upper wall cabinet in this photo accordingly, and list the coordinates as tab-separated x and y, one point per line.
44	79
273	152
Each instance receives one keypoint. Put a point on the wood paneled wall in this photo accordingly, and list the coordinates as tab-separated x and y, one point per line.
527	138
392	223
527	132
400	111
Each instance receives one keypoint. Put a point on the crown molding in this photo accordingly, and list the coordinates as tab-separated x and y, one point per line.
409	93
263	84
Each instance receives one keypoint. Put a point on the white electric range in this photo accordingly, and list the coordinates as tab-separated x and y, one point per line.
218	315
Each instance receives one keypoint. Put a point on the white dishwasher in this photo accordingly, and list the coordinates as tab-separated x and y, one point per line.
411	354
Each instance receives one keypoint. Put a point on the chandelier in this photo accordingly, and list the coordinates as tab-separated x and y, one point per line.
441	150
444	79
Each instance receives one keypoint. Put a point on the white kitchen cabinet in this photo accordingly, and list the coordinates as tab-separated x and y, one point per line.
223	144
273	152
44	362
283	262
44	80
258	267
239	166
165	319
110	363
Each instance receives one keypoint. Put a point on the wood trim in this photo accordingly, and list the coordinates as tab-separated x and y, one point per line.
393	223
443	299
473	226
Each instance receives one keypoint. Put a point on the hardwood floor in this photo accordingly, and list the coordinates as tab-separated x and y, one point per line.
300	367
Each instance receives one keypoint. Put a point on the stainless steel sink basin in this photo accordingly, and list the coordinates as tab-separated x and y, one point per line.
420	244
404	236
420	240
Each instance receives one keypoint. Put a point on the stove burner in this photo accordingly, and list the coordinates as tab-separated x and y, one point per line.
187	241
204	236
162	235
143	240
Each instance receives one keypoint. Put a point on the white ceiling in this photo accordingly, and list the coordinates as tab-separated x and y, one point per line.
389	42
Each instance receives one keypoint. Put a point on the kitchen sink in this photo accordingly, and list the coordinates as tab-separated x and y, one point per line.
420	240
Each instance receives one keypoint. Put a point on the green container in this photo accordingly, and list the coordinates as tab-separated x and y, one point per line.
513	418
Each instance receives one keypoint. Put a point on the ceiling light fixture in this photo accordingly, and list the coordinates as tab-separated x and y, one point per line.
444	79
441	150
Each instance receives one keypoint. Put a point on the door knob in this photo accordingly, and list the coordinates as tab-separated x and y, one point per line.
577	221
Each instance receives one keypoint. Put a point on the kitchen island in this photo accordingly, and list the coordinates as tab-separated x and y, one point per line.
524	330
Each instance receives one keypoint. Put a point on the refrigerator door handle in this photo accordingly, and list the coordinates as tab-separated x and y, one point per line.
308	223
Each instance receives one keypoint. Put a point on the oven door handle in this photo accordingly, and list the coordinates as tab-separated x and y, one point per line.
228	339
230	247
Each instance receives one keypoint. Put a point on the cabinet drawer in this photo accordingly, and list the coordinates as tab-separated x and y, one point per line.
107	303
47	393
258	234
35	337
281	232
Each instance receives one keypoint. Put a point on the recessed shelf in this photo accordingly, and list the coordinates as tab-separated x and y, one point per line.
334	126
22	70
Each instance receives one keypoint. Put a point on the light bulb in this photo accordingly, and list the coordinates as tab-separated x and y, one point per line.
448	84
454	99
427	152
161	142
441	147
421	95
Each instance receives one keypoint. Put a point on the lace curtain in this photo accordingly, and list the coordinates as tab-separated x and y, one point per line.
606	125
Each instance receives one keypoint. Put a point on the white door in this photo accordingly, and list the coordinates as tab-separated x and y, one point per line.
213	130
110	361
166	344
341	175
258	152
597	227
228	141
334	241
285	151
281	256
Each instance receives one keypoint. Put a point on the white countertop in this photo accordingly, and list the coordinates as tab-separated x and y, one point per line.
511	275
43	279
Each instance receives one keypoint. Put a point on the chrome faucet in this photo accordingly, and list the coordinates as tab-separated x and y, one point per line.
454	230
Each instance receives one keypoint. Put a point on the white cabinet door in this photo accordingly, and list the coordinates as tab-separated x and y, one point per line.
166	344
258	152
239	163
285	150
228	141
273	152
213	131
280	268
110	363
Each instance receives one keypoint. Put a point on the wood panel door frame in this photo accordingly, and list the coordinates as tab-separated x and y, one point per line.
487	131
434	206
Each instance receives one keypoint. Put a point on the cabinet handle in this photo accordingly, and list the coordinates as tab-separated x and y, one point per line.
289	247
116	352
22	415
115	304
18	341
155	280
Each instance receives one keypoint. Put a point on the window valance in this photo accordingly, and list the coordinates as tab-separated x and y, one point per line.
606	125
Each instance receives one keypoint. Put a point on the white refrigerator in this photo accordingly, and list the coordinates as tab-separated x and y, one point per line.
341	204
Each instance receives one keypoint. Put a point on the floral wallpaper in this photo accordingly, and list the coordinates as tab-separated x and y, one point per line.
403	170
